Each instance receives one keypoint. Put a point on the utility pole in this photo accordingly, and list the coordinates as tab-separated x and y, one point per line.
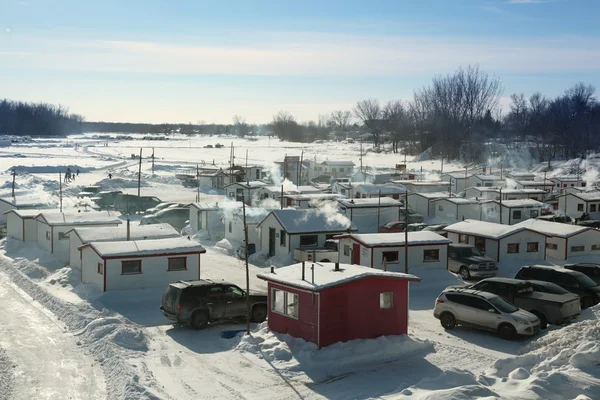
361	155
14	174
60	188
501	205
442	170
378	210
247	269
247	177
282	197
300	168
501	170
153	161
406	232
140	173
198	182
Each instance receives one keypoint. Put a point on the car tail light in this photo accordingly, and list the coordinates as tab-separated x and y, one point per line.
439	301
179	306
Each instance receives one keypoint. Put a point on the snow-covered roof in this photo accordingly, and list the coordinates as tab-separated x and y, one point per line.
566	178
396	239
313	196
384	189
424	183
82	218
594	196
216	206
485	229
169	246
535	183
253	214
456	175
29	201
552	228
487	177
311	221
326	276
119	232
432	195
376	202
337	163
528	203
458	200
26	213
248	185
520	174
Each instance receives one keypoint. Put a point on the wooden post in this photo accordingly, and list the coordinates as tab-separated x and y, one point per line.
501	205
128	229
247	177
60	188
247	268
406	232
140	173
14	174
378	210
282	197
153	161
300	168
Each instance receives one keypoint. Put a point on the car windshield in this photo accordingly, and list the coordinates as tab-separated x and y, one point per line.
585	280
471	251
502	305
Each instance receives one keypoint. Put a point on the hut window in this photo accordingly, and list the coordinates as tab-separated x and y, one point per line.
177	264
282	238
595	247
552	246
386	300
592	208
577	249
580	207
308	240
532	247
48	235
347	250
62	236
431	255
131	267
230	225
101	268
463	238
284	303
389	256
534	213
517	214
513	248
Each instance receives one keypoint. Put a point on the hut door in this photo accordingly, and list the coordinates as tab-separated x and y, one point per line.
271	242
356	253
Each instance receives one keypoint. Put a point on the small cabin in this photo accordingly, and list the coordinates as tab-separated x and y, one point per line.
283	231
576	204
373	191
458	180
329	303
26	202
521	176
510	212
426	186
386	251
564	240
484	181
498	241
234	225
140	264
208	218
83	235
422	203
564	182
21	225
450	209
364	213
52	228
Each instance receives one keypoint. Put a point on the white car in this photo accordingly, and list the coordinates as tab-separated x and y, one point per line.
163	206
483	310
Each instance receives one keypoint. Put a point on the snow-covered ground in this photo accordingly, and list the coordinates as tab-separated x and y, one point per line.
63	339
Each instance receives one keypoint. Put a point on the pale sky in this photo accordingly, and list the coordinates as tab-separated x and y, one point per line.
190	60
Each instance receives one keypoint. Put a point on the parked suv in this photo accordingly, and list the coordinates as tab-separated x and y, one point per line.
132	204
106	198
550	308
591	270
485	311
573	281
469	262
196	303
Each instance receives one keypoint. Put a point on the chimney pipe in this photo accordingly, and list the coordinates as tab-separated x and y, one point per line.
337	266
313	273
303	270
272	270
128	230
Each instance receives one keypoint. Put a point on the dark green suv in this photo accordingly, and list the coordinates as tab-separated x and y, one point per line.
196	303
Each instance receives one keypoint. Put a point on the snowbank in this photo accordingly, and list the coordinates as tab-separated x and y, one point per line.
292	355
563	364
6	375
109	337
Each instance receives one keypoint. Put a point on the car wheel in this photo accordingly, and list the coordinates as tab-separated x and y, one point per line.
507	331
464	273
542	318
199	320
259	314
448	321
586	302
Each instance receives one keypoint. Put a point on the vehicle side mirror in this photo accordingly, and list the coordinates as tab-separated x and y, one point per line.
492	310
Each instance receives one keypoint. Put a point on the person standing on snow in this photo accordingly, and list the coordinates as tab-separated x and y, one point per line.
77	171
109	175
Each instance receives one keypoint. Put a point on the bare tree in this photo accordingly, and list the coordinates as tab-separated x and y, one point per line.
396	121
285	127
240	126
340	120
369	112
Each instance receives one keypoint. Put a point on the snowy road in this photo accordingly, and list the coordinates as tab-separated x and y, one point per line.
46	362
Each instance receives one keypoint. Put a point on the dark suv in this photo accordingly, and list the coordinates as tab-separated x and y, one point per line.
196	303
591	270
573	281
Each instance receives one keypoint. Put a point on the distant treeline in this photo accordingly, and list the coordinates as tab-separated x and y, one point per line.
37	119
